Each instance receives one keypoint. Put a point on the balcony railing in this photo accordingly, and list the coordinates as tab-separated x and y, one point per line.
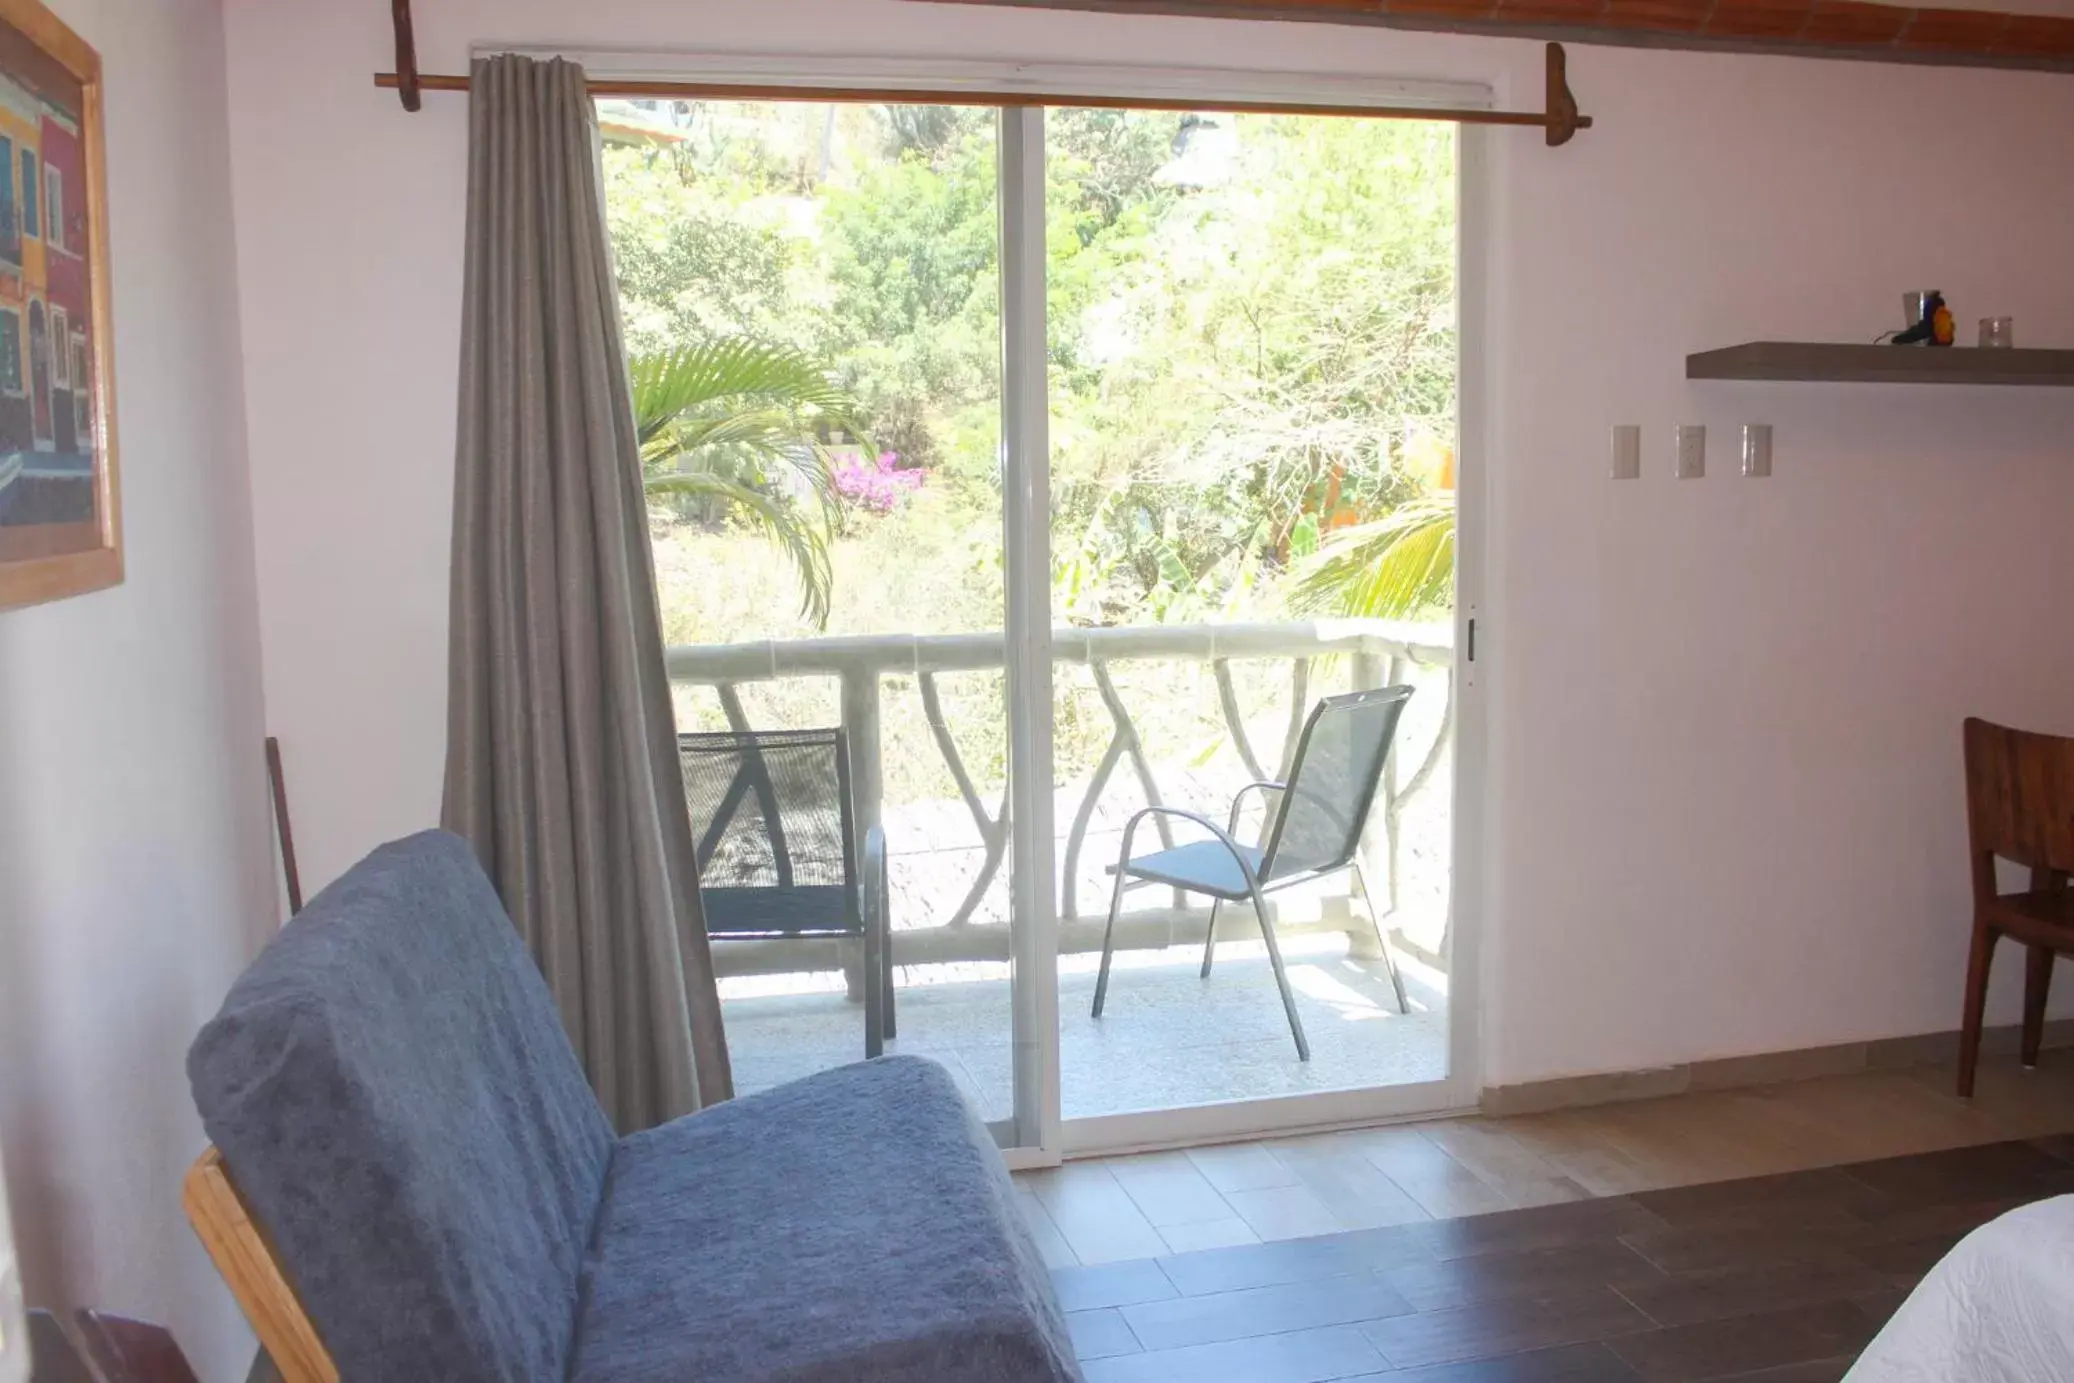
1379	654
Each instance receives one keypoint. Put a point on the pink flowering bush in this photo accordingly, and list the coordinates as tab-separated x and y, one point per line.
876	485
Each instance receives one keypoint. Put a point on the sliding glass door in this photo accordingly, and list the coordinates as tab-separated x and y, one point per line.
1252	370
1069	460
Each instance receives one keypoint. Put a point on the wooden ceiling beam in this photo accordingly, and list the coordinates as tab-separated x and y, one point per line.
1844	29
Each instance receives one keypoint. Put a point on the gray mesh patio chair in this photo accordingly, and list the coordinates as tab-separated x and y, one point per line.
1316	829
771	812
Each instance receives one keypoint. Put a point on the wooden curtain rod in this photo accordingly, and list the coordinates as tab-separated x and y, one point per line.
1560	118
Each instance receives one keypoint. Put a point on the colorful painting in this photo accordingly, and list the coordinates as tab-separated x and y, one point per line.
58	516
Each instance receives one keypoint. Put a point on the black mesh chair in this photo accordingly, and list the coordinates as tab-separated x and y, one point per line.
772	816
1316	829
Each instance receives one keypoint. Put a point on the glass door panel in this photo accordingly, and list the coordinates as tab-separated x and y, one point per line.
1252	353
828	522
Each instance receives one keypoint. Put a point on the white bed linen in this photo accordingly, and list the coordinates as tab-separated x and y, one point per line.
1999	1308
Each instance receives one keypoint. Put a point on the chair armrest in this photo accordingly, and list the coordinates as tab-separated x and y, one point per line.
1238	798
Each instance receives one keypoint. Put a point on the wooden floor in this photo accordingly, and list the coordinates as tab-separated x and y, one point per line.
1760	1235
1144	1206
1778	1279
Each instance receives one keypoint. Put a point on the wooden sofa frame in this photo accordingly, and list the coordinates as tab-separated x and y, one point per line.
255	1275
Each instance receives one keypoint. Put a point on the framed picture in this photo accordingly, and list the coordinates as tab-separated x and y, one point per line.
60	515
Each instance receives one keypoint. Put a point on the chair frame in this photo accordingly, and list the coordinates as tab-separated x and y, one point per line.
2019	807
254	1273
1261	882
869	902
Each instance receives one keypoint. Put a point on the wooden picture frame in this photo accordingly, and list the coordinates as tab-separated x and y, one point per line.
60	503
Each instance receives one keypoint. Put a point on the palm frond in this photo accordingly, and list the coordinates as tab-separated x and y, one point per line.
1401	566
741	374
804	543
721	419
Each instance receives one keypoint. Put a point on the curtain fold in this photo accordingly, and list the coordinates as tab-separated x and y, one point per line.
561	761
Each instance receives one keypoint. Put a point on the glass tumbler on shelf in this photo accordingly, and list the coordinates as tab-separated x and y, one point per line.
1998	333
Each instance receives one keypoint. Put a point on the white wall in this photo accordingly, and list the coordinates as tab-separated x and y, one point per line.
1724	810
135	869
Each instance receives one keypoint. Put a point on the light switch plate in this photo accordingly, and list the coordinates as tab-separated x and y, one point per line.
1692	451
1757	450
1627	451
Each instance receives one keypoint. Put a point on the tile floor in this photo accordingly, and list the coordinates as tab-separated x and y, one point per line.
1142	1206
1166	1038
1757	1235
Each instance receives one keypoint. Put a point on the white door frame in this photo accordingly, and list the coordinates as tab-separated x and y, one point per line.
1461	1089
1037	1135
1026	536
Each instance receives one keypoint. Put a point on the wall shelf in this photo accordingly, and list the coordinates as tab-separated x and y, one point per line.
1819	362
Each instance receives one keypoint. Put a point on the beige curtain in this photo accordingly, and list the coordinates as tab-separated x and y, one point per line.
561	747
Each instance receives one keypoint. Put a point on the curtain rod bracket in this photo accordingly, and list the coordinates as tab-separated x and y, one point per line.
1563	120
406	56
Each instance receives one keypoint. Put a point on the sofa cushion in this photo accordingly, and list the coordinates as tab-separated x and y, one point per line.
856	1226
393	1093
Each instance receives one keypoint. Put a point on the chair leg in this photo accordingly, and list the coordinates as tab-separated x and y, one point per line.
874	989
1210	941
1382	939
1274	955
886	1020
1984	939
1109	938
2037	984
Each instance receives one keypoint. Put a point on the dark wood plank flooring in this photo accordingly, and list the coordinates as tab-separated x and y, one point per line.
1778	1279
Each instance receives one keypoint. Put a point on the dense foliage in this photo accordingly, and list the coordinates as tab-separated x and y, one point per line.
1251	329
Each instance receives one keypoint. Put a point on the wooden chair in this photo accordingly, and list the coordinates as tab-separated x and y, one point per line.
2020	807
254	1274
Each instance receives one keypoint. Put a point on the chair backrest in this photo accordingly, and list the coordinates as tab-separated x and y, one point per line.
392	1090
2019	800
1332	782
770	808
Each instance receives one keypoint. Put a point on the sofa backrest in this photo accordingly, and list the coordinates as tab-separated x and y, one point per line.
392	1091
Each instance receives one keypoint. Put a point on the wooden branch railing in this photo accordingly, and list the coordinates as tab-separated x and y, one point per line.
1380	652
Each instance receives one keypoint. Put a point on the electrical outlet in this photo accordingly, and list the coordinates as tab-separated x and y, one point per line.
1627	451
1692	451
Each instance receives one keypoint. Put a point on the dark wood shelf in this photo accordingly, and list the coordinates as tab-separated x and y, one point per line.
1816	362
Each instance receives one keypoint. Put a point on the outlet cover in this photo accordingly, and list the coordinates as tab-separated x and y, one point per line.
1692	451
1627	451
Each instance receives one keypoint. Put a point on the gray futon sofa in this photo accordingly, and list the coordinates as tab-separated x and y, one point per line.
393	1094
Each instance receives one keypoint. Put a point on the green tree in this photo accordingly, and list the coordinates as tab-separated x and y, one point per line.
699	255
735	428
911	253
1250	352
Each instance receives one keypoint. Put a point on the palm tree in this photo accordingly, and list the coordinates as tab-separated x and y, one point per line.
1401	566
737	424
